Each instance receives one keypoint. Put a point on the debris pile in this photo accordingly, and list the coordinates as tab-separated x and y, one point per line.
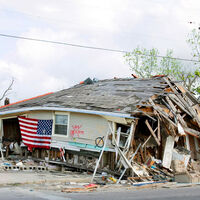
156	137
162	141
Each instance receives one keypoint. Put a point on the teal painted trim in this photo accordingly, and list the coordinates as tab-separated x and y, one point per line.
89	146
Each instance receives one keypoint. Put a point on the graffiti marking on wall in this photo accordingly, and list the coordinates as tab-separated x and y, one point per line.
76	131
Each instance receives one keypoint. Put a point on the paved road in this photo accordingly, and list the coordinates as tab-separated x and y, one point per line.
191	193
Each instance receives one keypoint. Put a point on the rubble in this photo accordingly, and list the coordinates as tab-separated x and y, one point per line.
159	143
166	141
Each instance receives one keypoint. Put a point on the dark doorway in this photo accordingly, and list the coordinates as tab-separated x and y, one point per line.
11	130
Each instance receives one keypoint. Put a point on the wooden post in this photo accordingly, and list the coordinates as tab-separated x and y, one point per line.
159	136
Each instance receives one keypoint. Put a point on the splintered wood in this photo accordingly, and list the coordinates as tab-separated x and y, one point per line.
166	123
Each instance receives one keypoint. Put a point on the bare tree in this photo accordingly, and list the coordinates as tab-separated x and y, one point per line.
7	90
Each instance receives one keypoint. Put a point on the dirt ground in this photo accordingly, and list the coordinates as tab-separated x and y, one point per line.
30	177
67	182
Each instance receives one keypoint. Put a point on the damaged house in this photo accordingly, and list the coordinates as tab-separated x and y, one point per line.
128	127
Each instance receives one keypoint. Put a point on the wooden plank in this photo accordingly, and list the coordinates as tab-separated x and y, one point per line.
142	156
180	87
171	104
118	139
130	160
187	93
179	104
158	132
138	178
148	116
146	141
124	160
192	98
192	132
159	110
129	140
133	132
197	108
175	91
167	156
152	132
192	147
186	104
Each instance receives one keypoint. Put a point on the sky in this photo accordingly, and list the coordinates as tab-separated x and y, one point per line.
39	68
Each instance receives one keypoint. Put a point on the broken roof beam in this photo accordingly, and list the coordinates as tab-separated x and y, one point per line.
174	98
185	103
192	132
175	91
187	93
152	132
162	113
179	117
143	112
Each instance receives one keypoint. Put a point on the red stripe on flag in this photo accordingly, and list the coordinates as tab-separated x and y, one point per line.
23	126
35	141
37	146
30	136
29	123
28	119
32	132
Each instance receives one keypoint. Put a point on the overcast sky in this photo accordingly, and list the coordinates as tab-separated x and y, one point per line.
119	24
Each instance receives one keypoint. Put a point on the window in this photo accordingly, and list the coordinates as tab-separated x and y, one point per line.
61	124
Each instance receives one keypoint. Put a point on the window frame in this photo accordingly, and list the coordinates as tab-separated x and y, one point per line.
54	124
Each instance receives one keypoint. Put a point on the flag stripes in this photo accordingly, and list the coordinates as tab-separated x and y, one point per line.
36	133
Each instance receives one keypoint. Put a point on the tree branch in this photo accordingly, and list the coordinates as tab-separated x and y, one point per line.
8	89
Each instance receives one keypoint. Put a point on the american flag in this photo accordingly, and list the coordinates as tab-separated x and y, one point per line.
35	133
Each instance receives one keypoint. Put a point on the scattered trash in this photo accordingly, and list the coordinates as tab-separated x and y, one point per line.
19	164
85	188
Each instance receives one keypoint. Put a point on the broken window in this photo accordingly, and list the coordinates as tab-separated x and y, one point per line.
61	124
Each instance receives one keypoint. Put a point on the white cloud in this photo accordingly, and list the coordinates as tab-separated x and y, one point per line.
40	53
121	24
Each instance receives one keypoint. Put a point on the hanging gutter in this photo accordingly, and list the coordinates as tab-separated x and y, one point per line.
67	110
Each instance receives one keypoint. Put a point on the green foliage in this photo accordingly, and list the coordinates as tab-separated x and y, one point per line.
194	42
140	63
146	63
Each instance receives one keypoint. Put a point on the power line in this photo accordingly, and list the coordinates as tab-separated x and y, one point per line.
64	21
78	24
88	47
